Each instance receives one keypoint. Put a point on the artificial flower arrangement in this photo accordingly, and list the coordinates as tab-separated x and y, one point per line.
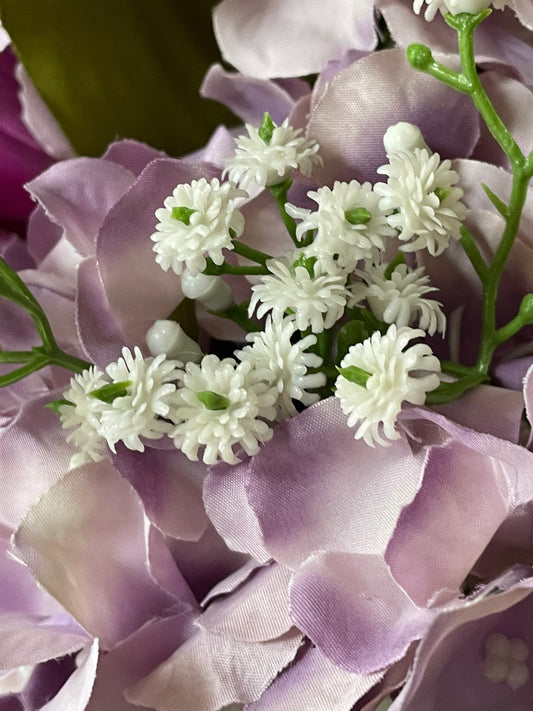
281	461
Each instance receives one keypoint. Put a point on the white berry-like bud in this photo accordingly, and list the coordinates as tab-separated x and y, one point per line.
212	291
471	6
168	338
403	136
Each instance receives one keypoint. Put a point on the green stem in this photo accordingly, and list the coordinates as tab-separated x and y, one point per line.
250	253
67	361
279	192
213	269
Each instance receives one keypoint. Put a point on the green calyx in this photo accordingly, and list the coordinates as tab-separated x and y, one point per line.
213	401
358	216
307	263
442	193
266	129
56	405
355	375
183	214
108	393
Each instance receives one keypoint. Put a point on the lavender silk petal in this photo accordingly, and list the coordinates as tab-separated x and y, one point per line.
351	607
279	39
132	155
306	487
78	193
313	683
85	543
75	693
210	671
350	117
170	487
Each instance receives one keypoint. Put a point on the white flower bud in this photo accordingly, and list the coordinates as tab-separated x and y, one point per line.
403	136
211	291
168	338
471	6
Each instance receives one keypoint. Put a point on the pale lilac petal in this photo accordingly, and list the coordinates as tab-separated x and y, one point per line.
30	639
350	117
14	251
300	509
313	683
256	612
218	148
39	119
134	658
210	671
528	399
249	98
78	193
35	455
166	573
279	39
511	373
448	671
351	607
170	487
138	290
132	155
429	551
224	494
232	581
42	235
524	12
85	543
75	693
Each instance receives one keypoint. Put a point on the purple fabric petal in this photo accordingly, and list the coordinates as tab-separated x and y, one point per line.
256	612
313	683
134	658
528	399
138	290
210	671
351	607
75	693
278	39
448	669
78	193
248	98
350	117
132	155
306	484
170	487
85	543
42	234
429	551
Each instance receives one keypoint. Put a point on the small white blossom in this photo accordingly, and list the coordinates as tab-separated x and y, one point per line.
211	291
282	366
271	163
84	414
300	285
375	405
199	219
399	299
232	419
420	188
456	6
149	395
403	136
349	224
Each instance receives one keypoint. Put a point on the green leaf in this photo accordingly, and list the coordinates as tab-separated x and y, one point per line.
213	401
354	375
238	313
56	404
126	68
391	266
349	334
108	393
495	200
266	129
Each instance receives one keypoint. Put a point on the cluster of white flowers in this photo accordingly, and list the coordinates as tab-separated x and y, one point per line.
269	159
456	6
378	375
198	219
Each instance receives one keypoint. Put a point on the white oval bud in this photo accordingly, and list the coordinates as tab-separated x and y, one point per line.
403	136
211	291
169	338
471	6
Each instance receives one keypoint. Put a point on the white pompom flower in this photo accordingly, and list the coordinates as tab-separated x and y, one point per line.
395	374
349	224
270	163
300	286
399	299
281	366
427	207
84	413
141	412
218	407
198	220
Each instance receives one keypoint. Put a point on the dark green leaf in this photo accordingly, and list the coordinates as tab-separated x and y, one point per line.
108	393
349	334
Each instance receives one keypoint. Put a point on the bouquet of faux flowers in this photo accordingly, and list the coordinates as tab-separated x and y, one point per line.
265	425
